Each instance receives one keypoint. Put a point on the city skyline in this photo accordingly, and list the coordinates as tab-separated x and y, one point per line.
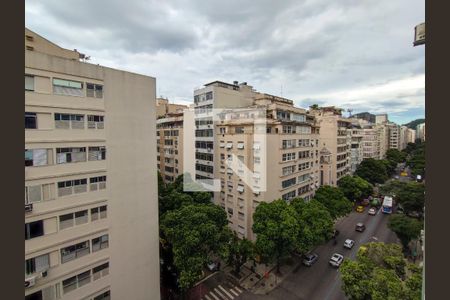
309	52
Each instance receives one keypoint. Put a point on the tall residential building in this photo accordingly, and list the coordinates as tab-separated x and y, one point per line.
334	138
394	136
381	119
289	164
91	226
365	116
169	141
356	147
411	136
420	132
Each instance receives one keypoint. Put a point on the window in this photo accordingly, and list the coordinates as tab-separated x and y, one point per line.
104	296
303	178
29	83
81	217
303	143
96	122
286	144
288	182
37	264
256	160
229	145
75	251
239	130
77	281
36	157
204	156
303	154
303	166
67	87
288	156
100	243
204	168
98	213
100	271
288	196
30	120
209	95
38	193
97	153
240	188
288	129
94	90
288	170
283	115
29	38
72	186
97	183
34	229
66	121
65	221
70	155
30	48
240	145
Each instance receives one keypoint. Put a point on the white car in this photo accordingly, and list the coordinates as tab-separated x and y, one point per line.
349	243
336	260
372	211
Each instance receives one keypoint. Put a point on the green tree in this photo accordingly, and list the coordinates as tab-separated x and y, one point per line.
405	228
412	197
195	233
395	155
334	201
392	187
355	188
380	271
239	251
276	229
173	200
315	224
372	170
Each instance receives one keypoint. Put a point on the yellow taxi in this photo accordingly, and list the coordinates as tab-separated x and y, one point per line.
360	208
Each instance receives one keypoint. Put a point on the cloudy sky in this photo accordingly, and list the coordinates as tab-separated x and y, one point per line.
354	54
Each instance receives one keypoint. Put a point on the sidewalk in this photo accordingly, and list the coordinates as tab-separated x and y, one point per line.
264	279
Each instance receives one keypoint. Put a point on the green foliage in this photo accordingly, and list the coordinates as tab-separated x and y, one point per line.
380	272
239	251
276	227
413	124
195	232
395	155
315	224
392	187
372	170
412	197
355	188
416	160
334	201
405	228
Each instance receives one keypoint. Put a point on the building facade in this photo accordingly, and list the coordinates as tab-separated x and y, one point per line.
89	197
335	138
420	132
394	136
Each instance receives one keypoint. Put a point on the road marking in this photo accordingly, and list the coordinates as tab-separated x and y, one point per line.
231	290
220	294
228	294
238	289
212	294
207	297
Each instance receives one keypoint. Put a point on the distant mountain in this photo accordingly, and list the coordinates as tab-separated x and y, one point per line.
413	124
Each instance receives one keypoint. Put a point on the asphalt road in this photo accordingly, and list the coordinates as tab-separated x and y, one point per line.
321	281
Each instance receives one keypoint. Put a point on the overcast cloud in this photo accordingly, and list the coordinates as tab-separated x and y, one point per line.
354	54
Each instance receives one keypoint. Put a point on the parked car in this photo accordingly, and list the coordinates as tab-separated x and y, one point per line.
336	260
360	208
212	266
360	227
335	234
349	243
372	211
310	259
365	202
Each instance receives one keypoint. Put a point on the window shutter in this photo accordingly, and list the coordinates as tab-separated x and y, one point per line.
40	157
42	263
34	193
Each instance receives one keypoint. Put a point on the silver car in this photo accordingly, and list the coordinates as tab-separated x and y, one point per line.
349	243
336	260
310	259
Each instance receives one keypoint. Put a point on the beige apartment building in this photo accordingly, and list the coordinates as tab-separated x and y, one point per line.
163	107
420	132
335	141
286	159
356	147
394	136
91	226
169	141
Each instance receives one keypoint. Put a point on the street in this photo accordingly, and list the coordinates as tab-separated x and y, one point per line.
321	281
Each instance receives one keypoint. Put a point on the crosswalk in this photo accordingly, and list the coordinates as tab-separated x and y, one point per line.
221	293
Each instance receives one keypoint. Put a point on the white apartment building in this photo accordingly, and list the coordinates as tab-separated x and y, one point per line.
394	136
420	132
91	226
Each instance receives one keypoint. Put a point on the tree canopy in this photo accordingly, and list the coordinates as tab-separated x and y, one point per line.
372	170
334	200
277	228
195	232
412	197
315	224
380	271
355	188
405	228
238	252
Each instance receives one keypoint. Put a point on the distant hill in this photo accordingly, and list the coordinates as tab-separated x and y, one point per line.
413	124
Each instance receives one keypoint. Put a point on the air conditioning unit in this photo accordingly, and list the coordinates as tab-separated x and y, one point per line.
44	273
29	282
29	207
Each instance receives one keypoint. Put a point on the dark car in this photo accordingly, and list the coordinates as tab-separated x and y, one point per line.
360	227
310	259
